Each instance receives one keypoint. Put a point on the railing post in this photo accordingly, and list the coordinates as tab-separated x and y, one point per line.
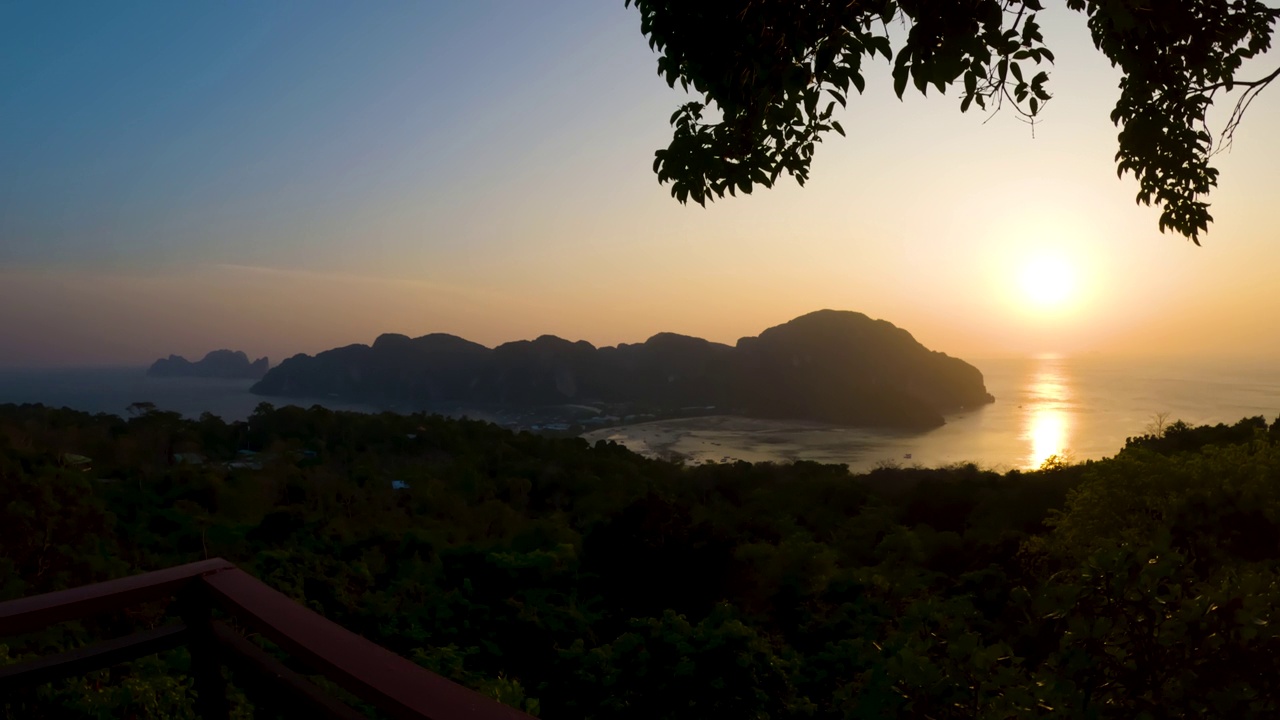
211	686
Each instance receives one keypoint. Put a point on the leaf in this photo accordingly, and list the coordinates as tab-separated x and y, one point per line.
901	71
920	79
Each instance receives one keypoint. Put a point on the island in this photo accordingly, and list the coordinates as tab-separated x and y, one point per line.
222	364
830	366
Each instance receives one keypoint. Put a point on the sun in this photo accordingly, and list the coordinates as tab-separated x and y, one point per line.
1048	282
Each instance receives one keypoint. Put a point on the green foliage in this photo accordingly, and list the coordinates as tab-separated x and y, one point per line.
1219	500
770	73
578	581
153	688
1175	56
669	667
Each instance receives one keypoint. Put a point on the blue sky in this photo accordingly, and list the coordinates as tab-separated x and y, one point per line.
146	133
285	177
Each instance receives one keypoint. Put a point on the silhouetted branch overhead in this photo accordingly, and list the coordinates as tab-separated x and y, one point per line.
770	73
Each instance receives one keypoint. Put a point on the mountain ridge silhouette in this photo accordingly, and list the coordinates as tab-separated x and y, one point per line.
832	366
224	364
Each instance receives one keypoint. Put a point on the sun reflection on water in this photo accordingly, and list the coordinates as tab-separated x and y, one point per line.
1048	425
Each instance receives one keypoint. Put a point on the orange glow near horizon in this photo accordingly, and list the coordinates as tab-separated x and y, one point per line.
294	219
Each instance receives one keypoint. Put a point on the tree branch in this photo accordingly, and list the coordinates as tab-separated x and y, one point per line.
1252	91
1250	84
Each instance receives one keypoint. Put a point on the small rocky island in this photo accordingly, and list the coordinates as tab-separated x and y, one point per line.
829	366
222	364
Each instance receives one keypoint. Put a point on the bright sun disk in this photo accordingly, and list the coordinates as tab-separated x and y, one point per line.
1048	282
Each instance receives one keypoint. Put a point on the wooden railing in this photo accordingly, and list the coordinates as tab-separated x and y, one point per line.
368	671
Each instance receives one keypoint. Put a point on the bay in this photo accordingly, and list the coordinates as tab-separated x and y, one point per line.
1075	408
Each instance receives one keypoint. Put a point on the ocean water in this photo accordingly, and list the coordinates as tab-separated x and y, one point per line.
1074	408
1077	408
112	390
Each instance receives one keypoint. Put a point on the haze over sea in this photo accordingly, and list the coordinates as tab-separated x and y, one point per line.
112	390
1077	408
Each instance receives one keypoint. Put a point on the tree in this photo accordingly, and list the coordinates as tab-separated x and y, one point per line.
770	73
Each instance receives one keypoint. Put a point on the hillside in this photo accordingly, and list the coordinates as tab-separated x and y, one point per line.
578	581
829	366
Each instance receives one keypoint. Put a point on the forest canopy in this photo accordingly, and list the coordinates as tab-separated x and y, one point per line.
584	581
771	72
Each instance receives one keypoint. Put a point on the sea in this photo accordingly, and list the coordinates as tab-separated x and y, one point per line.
1072	408
112	390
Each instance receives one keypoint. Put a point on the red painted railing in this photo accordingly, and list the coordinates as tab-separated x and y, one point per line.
370	672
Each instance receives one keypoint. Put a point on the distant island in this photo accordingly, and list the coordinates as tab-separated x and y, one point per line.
829	366
224	364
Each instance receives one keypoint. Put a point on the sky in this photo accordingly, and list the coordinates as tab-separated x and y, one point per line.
289	177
